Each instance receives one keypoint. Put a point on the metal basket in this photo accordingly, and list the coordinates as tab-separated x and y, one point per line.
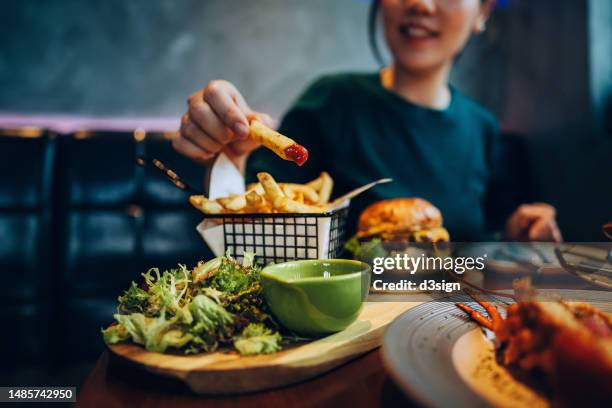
284	237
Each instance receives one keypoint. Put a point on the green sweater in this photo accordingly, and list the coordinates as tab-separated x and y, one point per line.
359	131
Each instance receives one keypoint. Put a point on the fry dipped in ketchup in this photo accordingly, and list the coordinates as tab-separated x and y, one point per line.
283	146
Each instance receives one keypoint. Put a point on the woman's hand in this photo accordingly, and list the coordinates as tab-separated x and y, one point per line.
216	120
533	222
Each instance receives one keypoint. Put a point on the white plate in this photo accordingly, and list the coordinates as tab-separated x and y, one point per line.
441	358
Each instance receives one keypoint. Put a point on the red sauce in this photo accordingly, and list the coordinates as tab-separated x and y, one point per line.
297	153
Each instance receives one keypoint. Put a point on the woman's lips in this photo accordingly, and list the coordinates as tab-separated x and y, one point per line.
416	34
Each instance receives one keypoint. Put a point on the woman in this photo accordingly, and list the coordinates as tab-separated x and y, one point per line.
405	122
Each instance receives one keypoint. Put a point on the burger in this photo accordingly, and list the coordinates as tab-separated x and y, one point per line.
402	220
398	225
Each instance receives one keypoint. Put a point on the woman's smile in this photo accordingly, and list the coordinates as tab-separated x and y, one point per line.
417	34
426	36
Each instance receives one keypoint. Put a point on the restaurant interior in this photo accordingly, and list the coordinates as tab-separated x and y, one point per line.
87	88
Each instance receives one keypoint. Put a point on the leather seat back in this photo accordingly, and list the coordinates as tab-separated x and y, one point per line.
26	258
117	219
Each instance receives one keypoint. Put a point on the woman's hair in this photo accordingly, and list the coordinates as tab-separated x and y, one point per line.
372	23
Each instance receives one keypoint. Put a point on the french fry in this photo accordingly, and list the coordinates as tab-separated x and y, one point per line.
233	202
308	192
289	192
257	203
283	146
267	208
291	206
274	194
268	196
205	205
237	204
299	197
253	199
224	200
316	183
257	187
327	185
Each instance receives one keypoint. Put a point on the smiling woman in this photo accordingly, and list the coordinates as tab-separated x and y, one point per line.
405	122
452	18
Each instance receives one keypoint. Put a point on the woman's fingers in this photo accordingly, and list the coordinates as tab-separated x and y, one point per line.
191	131
228	105
217	120
544	229
206	119
187	148
535	222
516	224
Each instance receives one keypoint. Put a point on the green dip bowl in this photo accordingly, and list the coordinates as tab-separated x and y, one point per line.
316	297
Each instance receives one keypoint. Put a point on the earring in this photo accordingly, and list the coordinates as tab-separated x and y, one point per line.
482	26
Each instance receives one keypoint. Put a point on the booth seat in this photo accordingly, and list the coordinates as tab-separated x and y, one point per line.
79	220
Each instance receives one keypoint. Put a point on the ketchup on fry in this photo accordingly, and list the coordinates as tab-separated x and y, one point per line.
297	153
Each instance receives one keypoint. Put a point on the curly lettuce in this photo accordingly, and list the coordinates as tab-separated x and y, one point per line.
218	303
257	339
154	333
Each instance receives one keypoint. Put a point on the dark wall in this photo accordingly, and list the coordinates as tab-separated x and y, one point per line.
144	57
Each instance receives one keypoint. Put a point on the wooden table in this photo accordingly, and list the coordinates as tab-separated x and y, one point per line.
362	382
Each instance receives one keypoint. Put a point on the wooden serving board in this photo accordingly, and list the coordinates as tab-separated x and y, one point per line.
229	373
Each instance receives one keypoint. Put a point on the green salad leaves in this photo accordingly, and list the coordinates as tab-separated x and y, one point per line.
366	251
257	339
218	303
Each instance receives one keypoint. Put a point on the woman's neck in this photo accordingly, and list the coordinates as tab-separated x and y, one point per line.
429	89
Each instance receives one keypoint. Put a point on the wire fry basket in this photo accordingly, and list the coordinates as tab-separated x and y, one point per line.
277	237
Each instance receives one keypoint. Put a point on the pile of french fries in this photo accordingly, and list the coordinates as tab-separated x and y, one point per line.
268	196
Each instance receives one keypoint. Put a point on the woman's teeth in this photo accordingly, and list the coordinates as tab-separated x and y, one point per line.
418	32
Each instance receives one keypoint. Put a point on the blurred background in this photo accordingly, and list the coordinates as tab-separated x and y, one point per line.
78	218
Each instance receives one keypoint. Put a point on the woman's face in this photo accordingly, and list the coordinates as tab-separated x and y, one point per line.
426	34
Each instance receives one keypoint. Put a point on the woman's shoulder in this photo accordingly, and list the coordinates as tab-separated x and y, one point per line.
473	109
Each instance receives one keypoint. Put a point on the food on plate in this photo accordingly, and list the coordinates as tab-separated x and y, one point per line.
218	303
404	220
569	344
283	146
268	196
